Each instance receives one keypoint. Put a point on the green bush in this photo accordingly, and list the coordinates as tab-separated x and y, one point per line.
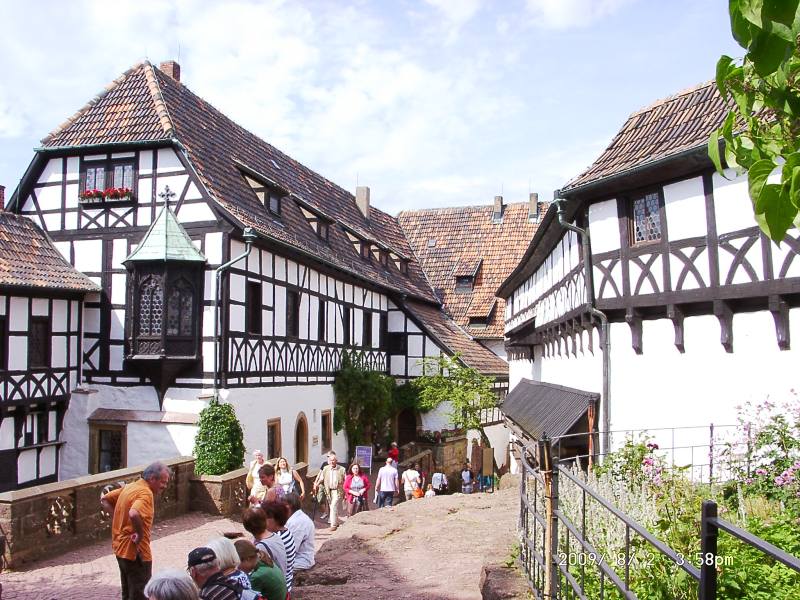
219	445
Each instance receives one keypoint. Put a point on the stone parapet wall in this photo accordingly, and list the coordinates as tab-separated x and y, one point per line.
53	518
448	457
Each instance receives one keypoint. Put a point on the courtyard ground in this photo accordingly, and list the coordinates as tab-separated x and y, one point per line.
430	549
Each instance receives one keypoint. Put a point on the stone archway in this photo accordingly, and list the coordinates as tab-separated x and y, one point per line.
407	422
301	439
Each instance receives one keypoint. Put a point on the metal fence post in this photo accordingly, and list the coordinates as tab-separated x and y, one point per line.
707	590
550	541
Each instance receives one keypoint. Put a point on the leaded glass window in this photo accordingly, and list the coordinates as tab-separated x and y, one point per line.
646	224
179	309
151	306
39	342
123	175
96	178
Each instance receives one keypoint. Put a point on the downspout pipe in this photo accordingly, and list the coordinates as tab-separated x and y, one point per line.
249	238
605	342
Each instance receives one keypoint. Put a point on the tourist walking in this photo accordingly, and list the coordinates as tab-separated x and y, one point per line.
331	477
303	531
252	481
131	508
387	484
467	479
289	479
411	481
394	453
356	485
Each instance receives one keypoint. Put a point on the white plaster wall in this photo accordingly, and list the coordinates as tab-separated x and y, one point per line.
732	204
75	452
499	437
604	226
498	347
519	368
255	406
664	388
437	419
685	205
163	442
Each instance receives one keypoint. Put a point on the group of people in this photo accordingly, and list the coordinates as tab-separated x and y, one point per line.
264	566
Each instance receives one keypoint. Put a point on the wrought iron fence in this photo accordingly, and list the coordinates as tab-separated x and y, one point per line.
560	561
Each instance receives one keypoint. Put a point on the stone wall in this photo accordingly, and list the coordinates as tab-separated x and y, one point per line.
448	457
67	514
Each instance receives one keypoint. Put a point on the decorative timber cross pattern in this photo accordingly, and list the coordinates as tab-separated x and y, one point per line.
167	195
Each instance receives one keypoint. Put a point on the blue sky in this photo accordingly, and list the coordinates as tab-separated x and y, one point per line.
430	103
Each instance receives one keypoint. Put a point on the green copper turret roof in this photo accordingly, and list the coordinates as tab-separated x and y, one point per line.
166	240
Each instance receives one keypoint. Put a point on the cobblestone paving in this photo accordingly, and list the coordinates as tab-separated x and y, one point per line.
91	571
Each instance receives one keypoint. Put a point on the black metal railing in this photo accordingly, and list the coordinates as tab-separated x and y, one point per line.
561	561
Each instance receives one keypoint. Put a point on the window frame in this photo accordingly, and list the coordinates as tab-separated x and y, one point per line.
630	204
326	430
346	321
293	314
275	440
47	343
270	195
254	321
108	166
95	430
464	284
322	321
396	342
366	329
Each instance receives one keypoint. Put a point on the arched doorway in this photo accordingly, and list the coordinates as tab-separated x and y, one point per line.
406	426
301	439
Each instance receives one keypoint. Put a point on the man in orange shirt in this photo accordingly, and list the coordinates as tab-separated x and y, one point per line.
132	510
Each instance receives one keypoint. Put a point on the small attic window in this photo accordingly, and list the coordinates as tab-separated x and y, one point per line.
322	229
464	283
403	266
478	322
432	243
274	203
384	258
365	253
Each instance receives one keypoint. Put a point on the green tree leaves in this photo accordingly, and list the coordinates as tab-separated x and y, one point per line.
447	379
364	401
219	445
762	134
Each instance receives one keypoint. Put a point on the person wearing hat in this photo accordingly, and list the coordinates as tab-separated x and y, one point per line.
203	569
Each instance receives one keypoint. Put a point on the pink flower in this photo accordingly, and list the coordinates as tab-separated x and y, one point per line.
761	471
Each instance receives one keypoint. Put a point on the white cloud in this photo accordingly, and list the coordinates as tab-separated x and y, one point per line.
564	14
455	14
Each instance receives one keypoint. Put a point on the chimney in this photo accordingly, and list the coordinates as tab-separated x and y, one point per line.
533	207
497	213
2	197
362	200
171	68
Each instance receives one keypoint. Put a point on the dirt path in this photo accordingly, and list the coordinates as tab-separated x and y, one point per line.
431	549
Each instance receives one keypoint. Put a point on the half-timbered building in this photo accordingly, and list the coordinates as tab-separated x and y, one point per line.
41	317
227	268
466	253
652	288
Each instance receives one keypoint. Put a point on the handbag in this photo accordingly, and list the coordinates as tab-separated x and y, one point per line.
418	493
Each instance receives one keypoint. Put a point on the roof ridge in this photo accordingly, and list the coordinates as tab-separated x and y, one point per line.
158	99
661	101
456	208
85	108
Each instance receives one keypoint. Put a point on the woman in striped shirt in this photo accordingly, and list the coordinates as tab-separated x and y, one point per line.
277	514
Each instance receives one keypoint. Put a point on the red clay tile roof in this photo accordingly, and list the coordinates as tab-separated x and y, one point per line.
146	104
29	259
449	242
667	127
456	339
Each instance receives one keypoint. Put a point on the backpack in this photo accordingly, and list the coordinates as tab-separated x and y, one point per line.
243	593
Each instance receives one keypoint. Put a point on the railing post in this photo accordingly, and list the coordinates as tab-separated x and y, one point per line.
550	498
707	590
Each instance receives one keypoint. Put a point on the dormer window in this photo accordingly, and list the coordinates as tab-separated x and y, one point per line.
384	258
403	266
322	230
464	283
107	180
274	203
365	250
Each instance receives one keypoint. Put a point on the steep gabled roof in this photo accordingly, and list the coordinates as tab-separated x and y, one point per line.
29	259
145	105
453	337
667	127
465	241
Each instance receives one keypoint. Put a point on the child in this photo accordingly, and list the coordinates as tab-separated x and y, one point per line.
265	577
429	493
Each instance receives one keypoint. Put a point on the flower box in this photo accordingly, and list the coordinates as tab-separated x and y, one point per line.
121	194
